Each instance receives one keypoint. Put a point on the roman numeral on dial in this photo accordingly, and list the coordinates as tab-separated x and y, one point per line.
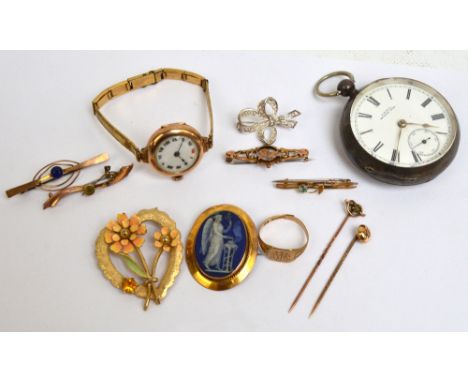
395	155
378	146
416	156
426	102
373	101
364	115
408	94
435	117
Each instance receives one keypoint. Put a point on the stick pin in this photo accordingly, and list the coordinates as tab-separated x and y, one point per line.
352	209
362	235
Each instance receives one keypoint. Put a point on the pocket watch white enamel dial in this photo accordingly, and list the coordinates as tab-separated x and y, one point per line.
399	130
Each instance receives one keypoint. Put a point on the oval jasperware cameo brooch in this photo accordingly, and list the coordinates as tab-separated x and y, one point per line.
119	246
222	247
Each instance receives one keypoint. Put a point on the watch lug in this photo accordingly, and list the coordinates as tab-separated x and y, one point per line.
142	155
207	143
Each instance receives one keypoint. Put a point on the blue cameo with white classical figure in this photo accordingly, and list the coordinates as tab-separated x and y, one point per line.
220	244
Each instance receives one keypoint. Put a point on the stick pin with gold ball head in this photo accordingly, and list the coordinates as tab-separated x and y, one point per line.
352	209
362	235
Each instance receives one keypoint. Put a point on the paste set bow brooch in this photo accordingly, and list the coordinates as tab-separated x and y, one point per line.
261	119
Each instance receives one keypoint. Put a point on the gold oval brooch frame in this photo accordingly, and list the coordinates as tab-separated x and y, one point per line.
123	237
222	247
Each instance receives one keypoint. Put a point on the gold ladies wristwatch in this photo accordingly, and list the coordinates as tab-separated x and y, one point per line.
174	149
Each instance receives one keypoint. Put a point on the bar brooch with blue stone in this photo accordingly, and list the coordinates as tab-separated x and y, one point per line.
54	171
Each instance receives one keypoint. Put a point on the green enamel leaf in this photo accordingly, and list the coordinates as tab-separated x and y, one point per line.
133	266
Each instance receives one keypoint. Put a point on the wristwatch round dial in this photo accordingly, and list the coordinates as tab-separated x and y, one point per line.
175	149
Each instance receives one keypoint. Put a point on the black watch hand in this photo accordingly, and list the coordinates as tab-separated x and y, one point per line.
424	141
177	153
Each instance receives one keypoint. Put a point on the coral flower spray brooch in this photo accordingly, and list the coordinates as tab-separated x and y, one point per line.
120	243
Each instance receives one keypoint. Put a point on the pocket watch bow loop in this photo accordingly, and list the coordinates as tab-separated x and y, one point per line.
263	118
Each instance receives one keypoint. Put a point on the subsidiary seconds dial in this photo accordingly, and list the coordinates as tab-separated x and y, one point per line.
388	120
423	143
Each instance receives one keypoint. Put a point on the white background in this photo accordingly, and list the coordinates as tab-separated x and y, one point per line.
410	276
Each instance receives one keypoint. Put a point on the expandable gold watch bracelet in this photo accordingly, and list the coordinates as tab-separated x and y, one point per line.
195	145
